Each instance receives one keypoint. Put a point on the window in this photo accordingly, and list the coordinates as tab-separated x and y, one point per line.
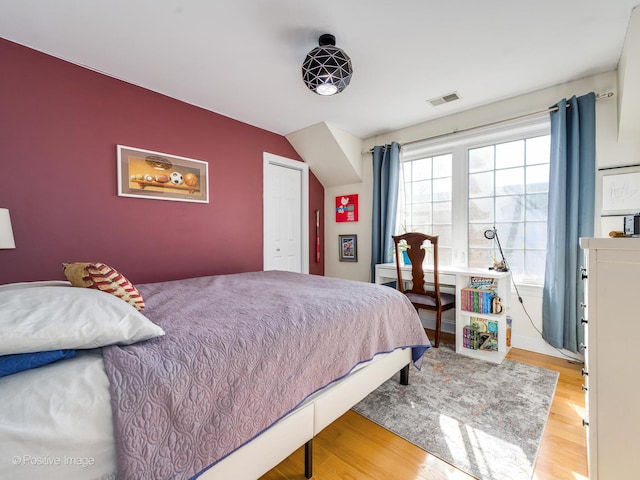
425	202
508	189
460	187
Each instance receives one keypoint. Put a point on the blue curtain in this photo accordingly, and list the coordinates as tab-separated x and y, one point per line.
572	172
386	175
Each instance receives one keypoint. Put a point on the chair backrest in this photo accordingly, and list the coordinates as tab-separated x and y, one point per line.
416	243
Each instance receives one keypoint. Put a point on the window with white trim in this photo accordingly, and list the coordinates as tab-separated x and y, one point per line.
461	186
425	201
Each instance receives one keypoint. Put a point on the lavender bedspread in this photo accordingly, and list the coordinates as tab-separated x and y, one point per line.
240	351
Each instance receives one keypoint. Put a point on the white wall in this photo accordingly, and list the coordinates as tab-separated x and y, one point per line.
362	228
609	152
629	80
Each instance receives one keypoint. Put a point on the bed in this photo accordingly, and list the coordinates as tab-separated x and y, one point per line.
218	377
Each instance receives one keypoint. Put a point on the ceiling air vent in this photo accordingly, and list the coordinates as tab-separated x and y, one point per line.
449	97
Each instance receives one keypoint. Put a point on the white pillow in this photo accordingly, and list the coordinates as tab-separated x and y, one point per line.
37	318
39	283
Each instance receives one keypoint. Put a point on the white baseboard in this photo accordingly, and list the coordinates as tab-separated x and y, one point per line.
538	345
428	320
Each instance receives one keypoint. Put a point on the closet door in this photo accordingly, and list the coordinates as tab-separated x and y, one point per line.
286	222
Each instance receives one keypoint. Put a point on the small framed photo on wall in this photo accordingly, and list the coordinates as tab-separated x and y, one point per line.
348	248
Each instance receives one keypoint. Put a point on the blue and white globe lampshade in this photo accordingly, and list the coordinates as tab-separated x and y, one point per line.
327	69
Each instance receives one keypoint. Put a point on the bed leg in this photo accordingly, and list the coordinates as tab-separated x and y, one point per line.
404	375
308	459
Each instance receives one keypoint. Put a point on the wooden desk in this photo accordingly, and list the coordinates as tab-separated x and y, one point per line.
459	278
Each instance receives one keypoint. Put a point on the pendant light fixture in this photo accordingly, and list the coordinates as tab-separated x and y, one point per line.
327	69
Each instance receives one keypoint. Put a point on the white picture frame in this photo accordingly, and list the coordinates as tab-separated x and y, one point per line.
161	176
620	191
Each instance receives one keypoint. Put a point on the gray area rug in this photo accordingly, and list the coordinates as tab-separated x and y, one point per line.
482	418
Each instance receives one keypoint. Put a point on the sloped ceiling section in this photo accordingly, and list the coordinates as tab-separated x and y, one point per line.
629	82
333	155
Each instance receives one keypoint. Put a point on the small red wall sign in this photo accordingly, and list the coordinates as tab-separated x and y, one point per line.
347	208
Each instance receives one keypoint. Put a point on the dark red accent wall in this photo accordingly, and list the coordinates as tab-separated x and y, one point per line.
59	128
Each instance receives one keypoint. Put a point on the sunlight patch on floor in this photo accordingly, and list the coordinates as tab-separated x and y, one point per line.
574	476
468	445
453	436
577	408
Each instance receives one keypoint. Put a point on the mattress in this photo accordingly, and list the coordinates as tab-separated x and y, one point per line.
56	422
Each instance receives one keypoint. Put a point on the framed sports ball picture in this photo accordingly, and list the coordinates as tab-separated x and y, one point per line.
161	176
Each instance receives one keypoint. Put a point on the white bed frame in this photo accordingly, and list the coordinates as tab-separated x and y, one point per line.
299	427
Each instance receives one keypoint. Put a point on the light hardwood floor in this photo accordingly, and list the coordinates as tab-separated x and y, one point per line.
354	448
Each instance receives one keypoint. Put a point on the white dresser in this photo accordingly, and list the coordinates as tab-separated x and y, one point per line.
612	346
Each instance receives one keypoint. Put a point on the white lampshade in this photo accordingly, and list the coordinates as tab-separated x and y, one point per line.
6	232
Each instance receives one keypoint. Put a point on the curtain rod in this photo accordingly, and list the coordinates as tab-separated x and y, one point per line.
599	96
616	168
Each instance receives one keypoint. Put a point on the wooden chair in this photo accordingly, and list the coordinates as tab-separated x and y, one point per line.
423	296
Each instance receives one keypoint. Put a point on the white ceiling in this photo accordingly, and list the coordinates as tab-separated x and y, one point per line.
242	58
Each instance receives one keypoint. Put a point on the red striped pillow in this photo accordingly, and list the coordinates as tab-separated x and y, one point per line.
104	278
